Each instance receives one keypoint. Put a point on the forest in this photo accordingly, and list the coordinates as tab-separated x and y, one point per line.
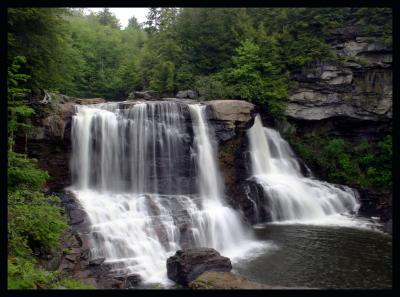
224	53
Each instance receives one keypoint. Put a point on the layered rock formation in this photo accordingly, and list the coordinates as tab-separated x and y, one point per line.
354	91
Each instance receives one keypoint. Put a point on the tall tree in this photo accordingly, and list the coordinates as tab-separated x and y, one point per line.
107	18
133	23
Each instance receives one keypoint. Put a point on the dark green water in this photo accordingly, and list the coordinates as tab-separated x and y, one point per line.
321	257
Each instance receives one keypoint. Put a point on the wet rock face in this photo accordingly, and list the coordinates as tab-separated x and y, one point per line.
187	265
376	203
388	227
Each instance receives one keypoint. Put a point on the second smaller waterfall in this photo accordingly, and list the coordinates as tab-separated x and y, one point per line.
224	229
290	195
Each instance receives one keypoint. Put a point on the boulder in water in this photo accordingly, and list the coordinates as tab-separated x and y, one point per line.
186	265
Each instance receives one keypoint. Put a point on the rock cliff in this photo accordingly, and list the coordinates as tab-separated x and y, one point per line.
353	92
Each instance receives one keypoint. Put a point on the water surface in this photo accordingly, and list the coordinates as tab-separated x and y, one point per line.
321	257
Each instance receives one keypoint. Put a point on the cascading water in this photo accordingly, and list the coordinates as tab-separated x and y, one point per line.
133	172
225	232
289	195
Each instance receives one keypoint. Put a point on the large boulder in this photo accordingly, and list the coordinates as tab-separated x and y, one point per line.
187	265
233	112
229	117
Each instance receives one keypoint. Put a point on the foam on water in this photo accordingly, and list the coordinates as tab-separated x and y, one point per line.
292	197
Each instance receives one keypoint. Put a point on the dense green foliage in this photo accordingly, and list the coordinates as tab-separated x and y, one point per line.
34	220
220	52
74	54
341	161
23	274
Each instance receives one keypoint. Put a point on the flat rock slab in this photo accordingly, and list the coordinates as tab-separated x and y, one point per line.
228	280
186	265
231	110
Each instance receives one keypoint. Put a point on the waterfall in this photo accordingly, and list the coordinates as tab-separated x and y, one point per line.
149	187
289	195
224	228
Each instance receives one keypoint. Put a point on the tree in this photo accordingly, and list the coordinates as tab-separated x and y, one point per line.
133	23
258	78
107	18
18	111
40	35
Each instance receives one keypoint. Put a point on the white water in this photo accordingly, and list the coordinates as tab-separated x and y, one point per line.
291	196
130	171
225	231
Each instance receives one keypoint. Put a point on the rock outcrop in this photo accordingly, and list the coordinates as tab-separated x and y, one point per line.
187	265
233	113
190	94
358	85
230	120
376	203
145	95
229	280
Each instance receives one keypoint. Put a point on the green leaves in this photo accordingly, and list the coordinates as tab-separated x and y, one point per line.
24	173
23	274
256	76
363	164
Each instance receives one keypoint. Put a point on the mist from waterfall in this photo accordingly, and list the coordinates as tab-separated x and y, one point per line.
289	195
149	187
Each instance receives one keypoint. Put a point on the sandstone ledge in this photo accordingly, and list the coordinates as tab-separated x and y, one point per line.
228	280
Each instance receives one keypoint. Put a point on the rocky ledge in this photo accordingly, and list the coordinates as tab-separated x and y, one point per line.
357	85
224	280
229	280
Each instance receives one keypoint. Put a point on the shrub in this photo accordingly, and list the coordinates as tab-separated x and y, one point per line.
341	161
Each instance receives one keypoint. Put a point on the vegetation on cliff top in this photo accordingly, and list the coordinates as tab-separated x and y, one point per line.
241	53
